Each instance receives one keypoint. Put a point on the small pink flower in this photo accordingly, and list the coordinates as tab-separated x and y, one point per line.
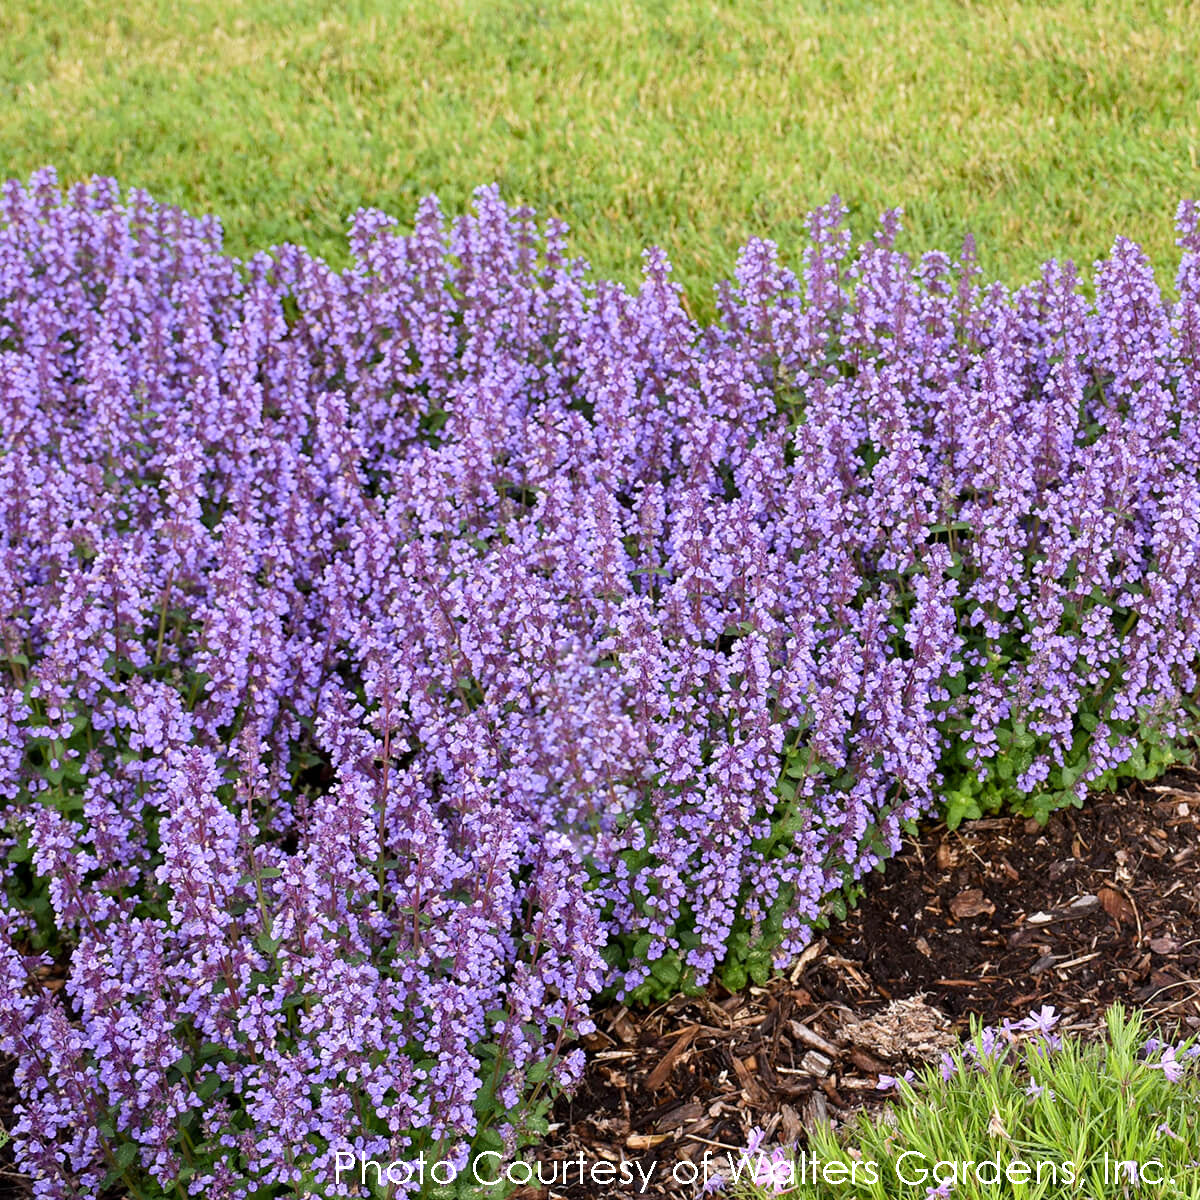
1169	1066
754	1139
1042	1021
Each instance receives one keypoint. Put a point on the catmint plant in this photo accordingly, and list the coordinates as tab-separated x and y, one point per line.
395	659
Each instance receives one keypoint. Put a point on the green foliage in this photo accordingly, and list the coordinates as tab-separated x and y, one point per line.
968	797
1086	1105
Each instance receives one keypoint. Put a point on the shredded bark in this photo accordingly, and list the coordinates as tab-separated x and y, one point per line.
997	918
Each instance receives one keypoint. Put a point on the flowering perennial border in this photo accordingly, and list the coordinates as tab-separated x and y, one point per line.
393	658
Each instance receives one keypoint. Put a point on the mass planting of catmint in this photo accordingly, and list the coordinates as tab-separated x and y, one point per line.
397	659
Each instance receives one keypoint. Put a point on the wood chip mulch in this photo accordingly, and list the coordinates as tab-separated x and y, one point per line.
994	919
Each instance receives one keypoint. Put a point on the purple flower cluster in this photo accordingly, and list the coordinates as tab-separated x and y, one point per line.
380	646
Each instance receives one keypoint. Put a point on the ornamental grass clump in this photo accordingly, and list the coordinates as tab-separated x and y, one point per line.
396	658
1017	1111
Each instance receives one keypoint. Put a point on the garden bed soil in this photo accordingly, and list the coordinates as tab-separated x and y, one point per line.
994	919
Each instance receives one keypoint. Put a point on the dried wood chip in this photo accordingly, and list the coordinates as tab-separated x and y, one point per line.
1075	962
662	1072
677	1117
816	1111
905	1027
836	960
808	955
1115	904
809	1037
645	1141
971	903
624	1027
816	1063
790	1124
868	1062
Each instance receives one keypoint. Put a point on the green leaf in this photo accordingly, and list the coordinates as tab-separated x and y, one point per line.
267	944
796	766
666	969
733	976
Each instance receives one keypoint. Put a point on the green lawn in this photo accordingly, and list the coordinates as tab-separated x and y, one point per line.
1044	129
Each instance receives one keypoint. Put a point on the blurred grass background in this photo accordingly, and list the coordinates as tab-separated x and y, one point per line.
1045	129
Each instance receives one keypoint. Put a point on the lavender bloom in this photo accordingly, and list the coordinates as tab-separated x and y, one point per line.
1047	1045
987	1047
1169	1065
1042	1021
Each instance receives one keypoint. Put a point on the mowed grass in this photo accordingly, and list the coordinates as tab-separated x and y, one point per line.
1043	129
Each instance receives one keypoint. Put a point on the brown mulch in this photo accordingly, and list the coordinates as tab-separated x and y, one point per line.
997	918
